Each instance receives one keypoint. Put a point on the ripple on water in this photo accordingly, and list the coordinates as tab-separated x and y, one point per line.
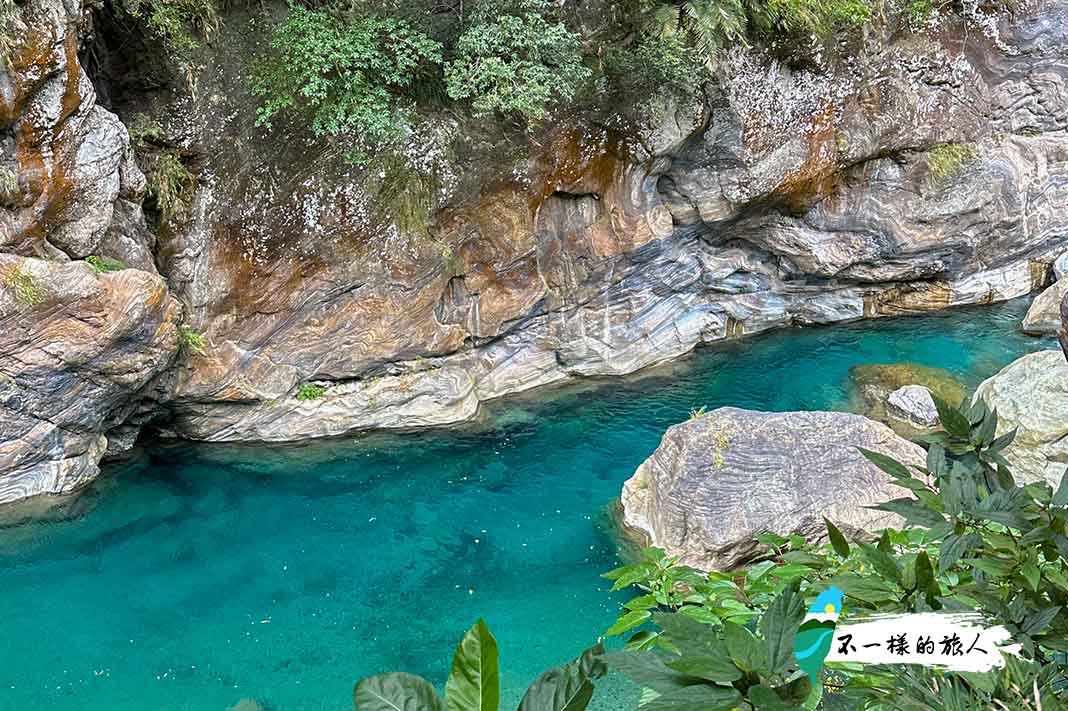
201	575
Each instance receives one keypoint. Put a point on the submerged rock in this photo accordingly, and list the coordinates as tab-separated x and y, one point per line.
718	480
1031	396
875	385
80	353
1044	316
914	404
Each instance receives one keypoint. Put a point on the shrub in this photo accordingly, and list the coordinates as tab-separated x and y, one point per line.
144	129
512	59
191	339
176	22
24	286
656	65
474	682
974	539
170	184
946	160
310	391
103	265
349	74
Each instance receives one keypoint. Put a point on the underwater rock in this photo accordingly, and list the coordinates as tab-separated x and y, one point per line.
720	479
874	385
1044	316
1031	396
80	354
914	404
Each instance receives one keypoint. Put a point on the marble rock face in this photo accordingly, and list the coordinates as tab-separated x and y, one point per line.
1044	316
914	404
718	480
1031	396
80	356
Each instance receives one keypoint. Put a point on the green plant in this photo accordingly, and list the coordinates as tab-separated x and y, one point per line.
191	339
512	59
24	286
170	183
947	159
697	413
310	391
348	73
144	129
656	65
103	265
974	540
474	683
176	22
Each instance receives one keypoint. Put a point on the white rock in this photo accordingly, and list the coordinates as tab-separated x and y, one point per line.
1044	316
914	404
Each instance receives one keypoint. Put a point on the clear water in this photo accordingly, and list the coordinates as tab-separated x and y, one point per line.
201	575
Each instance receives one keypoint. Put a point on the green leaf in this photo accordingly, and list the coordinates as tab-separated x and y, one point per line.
474	682
870	590
713	668
888	464
953	547
912	511
925	578
995	567
1003	441
1038	621
627	622
558	689
765	699
745	649
936	460
779	626
1060	498
952	420
396	692
642	602
838	541
649	669
703	697
1031	574
882	561
984	434
591	662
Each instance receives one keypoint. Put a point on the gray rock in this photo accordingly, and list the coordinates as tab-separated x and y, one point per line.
914	404
1031	396
1044	316
1060	267
718	480
80	353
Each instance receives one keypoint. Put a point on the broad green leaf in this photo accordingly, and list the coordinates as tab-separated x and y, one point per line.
713	668
951	419
882	561
925	578
559	689
648	669
704	697
1060	498
642	602
953	547
474	682
1003	441
888	464
912	511
936	460
627	622
396	692
1037	622
765	699
838	541
745	649
1031	574
866	589
984	434
591	662
779	626
996	567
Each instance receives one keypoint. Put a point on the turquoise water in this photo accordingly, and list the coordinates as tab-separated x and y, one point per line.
200	575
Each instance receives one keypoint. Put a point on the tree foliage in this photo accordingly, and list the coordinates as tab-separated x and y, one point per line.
348	74
512	58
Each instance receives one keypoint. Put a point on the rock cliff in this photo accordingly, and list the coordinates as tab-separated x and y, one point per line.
925	171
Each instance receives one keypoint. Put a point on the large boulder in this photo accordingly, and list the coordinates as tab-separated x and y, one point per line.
913	404
717	481
1031	396
80	355
899	394
1044	316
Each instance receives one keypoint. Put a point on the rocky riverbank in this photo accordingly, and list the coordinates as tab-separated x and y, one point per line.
925	172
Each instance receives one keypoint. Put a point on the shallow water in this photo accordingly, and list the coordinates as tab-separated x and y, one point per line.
201	575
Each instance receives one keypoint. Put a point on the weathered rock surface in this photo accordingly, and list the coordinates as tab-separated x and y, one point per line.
718	480
913	403
790	197
1031	395
79	356
1044	316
